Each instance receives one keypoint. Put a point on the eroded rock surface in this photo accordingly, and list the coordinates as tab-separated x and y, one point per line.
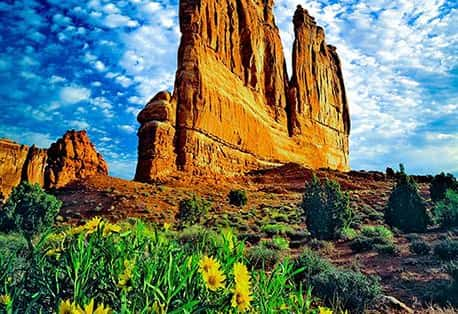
72	157
233	108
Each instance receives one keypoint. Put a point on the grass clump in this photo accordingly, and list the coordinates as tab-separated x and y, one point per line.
447	249
406	209
374	237
276	229
420	247
238	198
191	210
446	210
326	209
338	287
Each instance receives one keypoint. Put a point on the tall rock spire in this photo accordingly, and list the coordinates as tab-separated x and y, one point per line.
235	107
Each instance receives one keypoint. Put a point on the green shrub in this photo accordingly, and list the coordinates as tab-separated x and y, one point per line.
380	234
280	242
373	237
272	229
348	233
406	209
260	256
352	290
191	210
326	208
440	184
451	294
30	210
238	198
420	247
447	249
446	210
386	249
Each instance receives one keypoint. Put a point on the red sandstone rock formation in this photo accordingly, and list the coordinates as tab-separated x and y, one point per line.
72	157
233	108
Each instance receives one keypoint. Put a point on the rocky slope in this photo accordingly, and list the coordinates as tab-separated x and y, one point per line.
71	157
233	107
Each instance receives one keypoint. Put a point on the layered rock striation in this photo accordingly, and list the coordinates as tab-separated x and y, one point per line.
233	107
71	157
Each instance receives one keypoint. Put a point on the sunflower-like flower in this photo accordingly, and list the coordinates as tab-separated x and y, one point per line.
324	310
125	278
101	309
241	275
109	228
214	279
241	298
5	299
92	225
208	263
67	307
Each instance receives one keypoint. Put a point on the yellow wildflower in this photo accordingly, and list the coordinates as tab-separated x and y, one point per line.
158	308
214	279
324	310
167	226
67	307
241	298
54	252
241	274
92	225
5	299
89	309
126	276
75	230
109	228
208	263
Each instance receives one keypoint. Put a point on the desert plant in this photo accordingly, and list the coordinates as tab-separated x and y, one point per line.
272	229
373	237
326	208
30	210
191	210
351	289
446	210
238	198
420	247
447	249
440	184
406	209
386	249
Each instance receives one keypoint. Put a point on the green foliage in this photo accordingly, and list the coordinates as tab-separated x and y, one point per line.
280	242
451	294
238	198
348	233
191	210
386	249
276	229
447	249
326	208
30	209
260	256
446	210
137	268
420	247
406	209
440	184
345	288
374	237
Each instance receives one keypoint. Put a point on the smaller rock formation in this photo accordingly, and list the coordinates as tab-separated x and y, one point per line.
156	155
72	157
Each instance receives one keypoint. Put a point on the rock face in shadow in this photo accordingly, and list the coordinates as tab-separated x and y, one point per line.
233	108
71	157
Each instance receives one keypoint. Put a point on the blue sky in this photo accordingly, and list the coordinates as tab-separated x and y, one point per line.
94	64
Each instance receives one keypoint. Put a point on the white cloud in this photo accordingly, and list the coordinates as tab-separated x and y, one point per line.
128	128
74	94
118	20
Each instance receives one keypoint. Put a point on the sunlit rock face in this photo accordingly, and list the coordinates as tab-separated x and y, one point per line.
233	108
